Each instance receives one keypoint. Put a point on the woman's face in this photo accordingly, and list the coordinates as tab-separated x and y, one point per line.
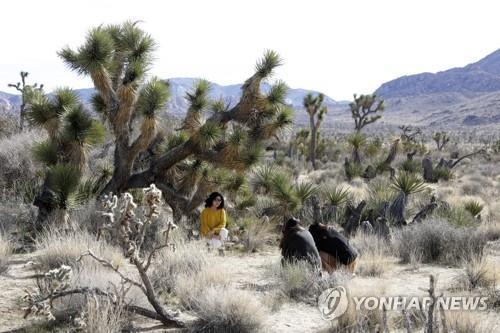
217	201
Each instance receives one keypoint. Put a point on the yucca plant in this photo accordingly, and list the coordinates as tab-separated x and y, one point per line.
335	197
262	177
117	58
71	133
406	184
305	190
474	207
356	142
283	192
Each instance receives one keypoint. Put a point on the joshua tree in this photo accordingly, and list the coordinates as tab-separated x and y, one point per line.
316	111
441	139
117	58
365	110
71	131
26	91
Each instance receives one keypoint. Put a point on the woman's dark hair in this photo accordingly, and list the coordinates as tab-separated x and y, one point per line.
211	198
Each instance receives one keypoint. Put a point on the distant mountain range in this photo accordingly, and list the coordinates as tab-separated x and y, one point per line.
465	96
458	97
180	86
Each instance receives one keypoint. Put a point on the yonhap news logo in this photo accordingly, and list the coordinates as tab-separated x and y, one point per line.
333	303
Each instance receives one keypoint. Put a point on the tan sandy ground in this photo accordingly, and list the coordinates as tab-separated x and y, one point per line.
248	271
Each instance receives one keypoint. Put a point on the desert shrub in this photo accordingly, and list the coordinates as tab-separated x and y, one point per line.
478	273
17	169
353	321
5	252
374	254
491	230
300	281
257	235
221	309
186	260
379	192
58	247
9	124
16	216
439	242
189	285
457	216
413	166
443	173
100	315
468	322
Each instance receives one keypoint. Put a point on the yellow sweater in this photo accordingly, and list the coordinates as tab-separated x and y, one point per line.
212	220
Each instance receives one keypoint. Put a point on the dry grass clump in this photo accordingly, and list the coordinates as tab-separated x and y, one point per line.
362	320
58	247
300	281
478	273
187	260
223	309
188	286
439	242
17	166
16	216
257	235
100	315
219	306
5	252
491	230
374	259
468	322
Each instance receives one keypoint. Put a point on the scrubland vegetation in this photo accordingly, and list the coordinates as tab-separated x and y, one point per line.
109	252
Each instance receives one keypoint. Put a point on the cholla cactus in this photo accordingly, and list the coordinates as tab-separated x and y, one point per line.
50	285
129	229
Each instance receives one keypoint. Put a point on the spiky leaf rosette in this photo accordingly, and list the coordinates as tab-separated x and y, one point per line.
283	192
356	141
63	182
92	56
262	177
268	63
80	128
277	93
337	196
46	152
474	207
207	135
153	97
408	183
305	190
48	112
198	103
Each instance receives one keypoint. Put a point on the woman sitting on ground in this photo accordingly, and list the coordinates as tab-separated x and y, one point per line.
213	220
334	249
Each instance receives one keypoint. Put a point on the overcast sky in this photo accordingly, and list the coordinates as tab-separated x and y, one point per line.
337	47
